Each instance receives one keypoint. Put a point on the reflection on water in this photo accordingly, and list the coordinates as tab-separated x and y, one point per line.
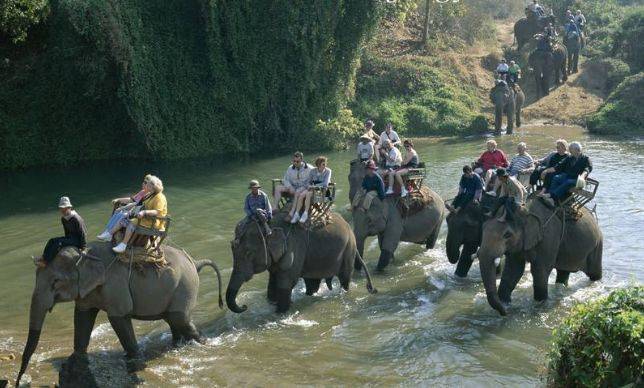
424	326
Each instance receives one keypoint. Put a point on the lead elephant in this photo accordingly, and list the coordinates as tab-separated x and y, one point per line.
547	64
383	218
508	100
289	253
525	29
100	281
546	242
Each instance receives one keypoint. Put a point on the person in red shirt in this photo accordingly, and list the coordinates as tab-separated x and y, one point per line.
492	158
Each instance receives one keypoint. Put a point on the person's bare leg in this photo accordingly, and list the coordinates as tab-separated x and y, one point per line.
399	179
392	177
128	234
307	200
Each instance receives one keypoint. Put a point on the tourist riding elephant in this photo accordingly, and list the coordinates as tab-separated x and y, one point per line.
545	64
573	43
289	253
525	29
546	242
508	100
98	280
383	218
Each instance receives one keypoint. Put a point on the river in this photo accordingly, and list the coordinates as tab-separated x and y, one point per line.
423	327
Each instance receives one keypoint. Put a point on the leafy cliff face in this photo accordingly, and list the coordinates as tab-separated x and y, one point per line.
176	78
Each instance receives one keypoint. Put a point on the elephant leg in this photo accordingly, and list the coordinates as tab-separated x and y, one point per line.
271	291
510	118
125	333
283	299
498	119
329	283
83	326
540	282
562	277
512	273
181	323
431	240
383	261
312	285
176	335
594	263
465	261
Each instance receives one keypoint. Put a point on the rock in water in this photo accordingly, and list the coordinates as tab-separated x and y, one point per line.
75	372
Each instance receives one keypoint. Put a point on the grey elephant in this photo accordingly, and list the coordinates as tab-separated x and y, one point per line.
98	280
508	100
289	253
525	29
383	218
574	44
546	242
547	64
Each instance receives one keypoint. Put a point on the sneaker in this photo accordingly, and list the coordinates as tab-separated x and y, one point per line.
120	248
404	192
105	236
305	216
296	217
389	191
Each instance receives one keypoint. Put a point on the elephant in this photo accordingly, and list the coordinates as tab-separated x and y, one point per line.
508	100
384	219
544	63
539	236
464	233
97	280
291	252
525	29
574	44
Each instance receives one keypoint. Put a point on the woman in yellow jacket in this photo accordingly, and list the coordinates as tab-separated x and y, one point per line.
154	206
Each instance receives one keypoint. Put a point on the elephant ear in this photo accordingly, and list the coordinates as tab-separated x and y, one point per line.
532	231
92	275
277	247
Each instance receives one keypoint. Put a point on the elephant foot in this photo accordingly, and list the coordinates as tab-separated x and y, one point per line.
383	261
283	300
134	364
595	278
329	283
357	266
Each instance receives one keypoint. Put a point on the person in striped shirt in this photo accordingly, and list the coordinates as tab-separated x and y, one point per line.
522	163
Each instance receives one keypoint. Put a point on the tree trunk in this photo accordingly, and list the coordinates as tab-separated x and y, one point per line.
426	26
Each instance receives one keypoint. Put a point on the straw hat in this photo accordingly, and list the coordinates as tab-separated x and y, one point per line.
254	184
64	202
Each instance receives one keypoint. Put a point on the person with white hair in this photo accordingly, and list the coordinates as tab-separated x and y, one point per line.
551	160
75	233
128	207
580	19
387	135
491	159
155	205
568	172
522	163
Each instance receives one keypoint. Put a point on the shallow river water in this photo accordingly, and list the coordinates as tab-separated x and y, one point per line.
423	327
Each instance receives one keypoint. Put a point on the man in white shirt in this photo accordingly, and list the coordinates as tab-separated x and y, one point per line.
388	135
522	164
296	179
393	160
502	69
365	148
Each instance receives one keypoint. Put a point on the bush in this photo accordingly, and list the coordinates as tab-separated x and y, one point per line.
334	134
601	343
621	113
18	16
628	40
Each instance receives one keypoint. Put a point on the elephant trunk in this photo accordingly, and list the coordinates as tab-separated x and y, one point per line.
37	314
235	283
488	273
453	248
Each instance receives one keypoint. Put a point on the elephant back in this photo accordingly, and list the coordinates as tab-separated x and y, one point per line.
415	202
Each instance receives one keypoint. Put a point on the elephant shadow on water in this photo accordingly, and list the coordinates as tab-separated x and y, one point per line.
96	280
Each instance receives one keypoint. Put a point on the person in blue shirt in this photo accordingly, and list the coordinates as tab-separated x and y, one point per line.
470	188
571	28
257	206
373	181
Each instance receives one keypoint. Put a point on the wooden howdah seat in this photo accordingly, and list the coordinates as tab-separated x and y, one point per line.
321	202
413	179
579	198
152	238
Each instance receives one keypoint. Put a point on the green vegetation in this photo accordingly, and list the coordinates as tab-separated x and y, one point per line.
601	344
174	79
18	16
622	112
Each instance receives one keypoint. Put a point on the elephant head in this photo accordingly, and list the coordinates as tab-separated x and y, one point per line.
370	221
463	229
357	172
253	253
522	234
66	278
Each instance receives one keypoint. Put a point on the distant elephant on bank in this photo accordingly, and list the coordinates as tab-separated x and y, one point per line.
574	44
546	64
539	238
508	100
98	280
289	253
525	29
384	219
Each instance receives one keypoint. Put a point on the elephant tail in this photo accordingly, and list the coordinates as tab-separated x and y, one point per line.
370	287
209	263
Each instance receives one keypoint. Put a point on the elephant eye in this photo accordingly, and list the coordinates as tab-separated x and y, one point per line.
507	235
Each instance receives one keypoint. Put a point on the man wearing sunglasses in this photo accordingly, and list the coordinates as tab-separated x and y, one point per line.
295	179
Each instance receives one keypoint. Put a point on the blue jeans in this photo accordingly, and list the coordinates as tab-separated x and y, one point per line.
115	219
560	185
